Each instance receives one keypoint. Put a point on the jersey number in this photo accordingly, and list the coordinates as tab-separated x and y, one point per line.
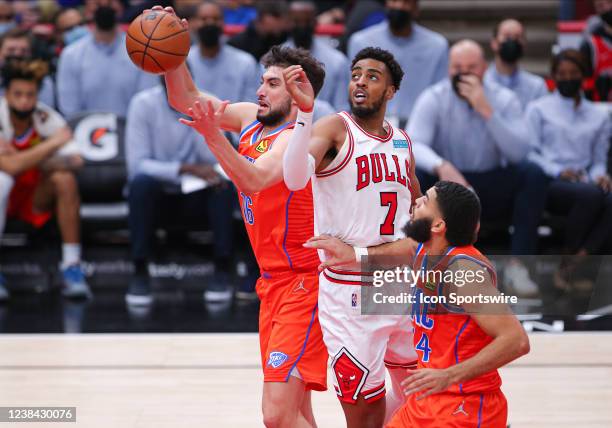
247	212
423	346
389	199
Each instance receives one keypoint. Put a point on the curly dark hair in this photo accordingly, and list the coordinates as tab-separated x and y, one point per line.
460	208
385	57
283	56
22	69
571	55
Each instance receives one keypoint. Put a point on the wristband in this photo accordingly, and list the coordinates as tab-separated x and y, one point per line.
359	252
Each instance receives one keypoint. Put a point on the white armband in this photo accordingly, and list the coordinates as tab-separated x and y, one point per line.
360	252
298	164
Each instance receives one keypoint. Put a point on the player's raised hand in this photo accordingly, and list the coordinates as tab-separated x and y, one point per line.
171	11
337	253
299	87
206	120
427	381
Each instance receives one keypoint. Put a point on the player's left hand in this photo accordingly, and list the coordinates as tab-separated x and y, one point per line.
472	89
299	87
337	253
428	381
206	120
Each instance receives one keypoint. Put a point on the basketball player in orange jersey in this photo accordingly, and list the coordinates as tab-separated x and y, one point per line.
460	346
364	185
278	221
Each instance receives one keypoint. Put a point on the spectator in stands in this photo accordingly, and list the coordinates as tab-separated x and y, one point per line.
32	164
95	72
570	138
508	45
222	70
17	44
69	27
7	17
472	132
159	153
422	53
303	16
268	29
595	21
597	51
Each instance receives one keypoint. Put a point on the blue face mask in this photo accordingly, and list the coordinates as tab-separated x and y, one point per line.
75	34
6	26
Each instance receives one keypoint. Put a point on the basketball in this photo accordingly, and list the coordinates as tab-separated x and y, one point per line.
157	42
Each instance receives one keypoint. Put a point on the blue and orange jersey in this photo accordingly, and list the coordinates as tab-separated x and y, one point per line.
278	221
444	335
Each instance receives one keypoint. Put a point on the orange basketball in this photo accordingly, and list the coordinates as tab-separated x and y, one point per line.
157	42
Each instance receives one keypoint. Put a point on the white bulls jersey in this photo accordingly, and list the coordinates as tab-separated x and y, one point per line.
364	196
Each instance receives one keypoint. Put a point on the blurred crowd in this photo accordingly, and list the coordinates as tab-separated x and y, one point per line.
527	145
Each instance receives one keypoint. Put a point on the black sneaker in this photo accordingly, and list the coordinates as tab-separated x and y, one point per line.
218	290
139	291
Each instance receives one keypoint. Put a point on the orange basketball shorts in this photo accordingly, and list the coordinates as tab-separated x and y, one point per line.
482	410
290	336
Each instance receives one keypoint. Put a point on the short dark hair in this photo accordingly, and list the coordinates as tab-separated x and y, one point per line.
385	57
16	33
571	55
460	208
283	56
20	69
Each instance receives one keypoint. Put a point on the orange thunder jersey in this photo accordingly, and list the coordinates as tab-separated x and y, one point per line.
278	221
443	334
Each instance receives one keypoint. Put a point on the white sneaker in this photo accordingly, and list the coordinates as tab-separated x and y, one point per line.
516	276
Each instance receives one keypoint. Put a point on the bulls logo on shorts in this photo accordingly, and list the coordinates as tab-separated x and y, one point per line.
350	375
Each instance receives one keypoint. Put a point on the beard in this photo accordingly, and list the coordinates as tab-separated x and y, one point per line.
367	112
419	230
275	116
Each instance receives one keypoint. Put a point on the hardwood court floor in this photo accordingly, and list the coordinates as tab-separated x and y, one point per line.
213	380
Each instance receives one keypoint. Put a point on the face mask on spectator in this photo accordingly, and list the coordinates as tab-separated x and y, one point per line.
74	34
22	114
209	35
6	26
455	83
511	50
399	18
105	18
607	17
569	88
272	39
302	36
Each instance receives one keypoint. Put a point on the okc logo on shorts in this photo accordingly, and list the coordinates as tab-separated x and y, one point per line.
277	359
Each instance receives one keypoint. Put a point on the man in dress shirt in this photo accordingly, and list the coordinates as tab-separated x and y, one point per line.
422	53
218	68
472	132
95	72
159	151
303	15
508	44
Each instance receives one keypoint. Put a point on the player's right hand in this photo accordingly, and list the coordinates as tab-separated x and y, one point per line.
299	87
171	11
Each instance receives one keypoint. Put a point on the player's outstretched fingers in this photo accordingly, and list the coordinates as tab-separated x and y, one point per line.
187	122
193	113
222	107
199	109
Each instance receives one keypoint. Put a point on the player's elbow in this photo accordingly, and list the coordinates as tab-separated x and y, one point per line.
523	346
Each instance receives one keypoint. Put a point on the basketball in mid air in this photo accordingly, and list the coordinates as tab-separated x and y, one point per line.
157	42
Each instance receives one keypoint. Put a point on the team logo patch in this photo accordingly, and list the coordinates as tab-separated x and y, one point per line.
277	359
400	144
262	147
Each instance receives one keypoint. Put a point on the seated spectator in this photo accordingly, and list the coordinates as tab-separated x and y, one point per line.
95	72
267	30
597	51
218	68
472	132
508	45
422	53
69	27
159	152
42	180
17	44
7	17
570	138
595	21
303	16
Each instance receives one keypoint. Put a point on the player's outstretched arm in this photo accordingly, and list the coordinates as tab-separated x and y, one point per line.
308	144
183	93
496	319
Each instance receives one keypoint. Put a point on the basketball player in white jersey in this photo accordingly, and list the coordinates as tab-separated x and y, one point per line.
364	185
